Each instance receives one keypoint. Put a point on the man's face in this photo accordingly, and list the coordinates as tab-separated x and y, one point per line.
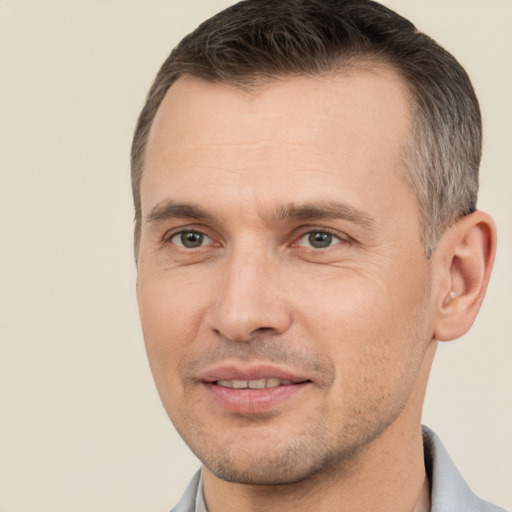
282	283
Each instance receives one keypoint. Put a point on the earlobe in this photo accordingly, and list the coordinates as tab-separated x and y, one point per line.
465	260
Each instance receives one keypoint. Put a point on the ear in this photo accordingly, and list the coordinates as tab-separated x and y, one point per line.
463	263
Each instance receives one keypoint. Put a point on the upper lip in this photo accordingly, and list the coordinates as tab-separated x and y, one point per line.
253	372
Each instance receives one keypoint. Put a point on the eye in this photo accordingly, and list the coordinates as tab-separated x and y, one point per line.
318	239
191	239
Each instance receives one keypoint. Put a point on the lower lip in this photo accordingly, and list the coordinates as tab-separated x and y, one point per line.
253	401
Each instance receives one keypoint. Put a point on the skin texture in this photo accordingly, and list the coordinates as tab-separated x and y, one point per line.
250	176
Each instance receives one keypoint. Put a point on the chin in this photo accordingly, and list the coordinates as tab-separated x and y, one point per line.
274	469
280	462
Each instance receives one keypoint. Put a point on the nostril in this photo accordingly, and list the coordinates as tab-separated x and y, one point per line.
262	330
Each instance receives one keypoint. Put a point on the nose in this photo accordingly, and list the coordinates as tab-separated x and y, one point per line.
250	300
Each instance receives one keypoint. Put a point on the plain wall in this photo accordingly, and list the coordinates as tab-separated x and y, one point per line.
81	425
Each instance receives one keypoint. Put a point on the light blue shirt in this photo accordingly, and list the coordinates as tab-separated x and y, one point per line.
449	491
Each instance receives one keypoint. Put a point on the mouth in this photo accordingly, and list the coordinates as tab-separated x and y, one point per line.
263	383
253	390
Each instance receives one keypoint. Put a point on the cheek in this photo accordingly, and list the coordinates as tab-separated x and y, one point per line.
375	328
375	353
375	298
346	306
171	311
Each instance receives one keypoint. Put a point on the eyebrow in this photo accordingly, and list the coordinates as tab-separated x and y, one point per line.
174	210
330	210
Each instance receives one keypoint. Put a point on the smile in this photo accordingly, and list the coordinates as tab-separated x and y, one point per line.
252	389
253	384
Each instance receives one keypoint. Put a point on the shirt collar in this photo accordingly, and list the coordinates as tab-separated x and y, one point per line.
200	503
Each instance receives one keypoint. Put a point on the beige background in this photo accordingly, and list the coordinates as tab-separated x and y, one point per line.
81	426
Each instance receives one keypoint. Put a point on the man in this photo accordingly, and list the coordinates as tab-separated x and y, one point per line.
305	176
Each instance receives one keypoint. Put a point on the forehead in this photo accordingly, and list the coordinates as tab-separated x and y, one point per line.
376	92
297	137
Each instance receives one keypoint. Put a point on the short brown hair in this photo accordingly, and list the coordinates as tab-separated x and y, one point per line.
259	40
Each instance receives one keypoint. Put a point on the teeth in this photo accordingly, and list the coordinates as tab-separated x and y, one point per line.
257	384
225	383
272	383
253	384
